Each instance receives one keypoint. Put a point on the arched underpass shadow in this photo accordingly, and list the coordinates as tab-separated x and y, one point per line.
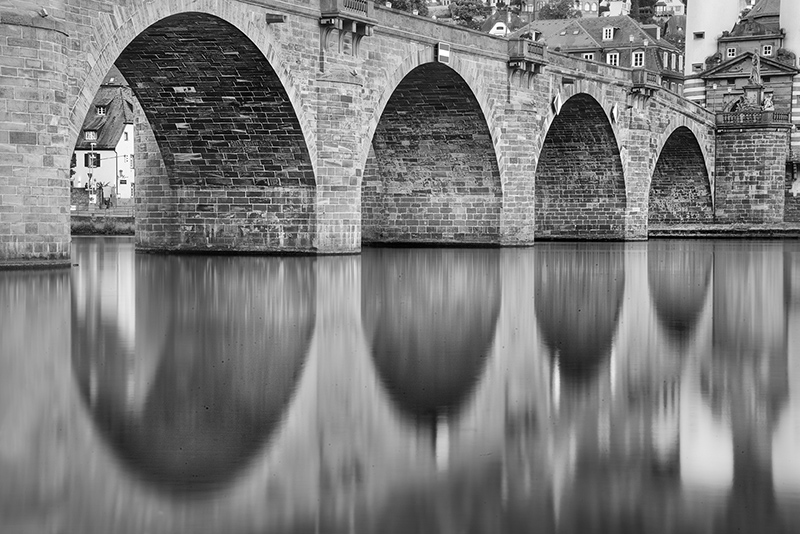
680	191
218	350
431	175
430	318
580	184
228	167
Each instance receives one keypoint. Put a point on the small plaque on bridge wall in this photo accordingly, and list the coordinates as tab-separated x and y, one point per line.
443	53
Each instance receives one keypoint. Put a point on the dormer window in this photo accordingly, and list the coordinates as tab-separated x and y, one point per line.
90	135
100	110
766	50
608	33
730	53
637	60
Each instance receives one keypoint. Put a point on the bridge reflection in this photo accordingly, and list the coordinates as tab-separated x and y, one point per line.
191	390
586	415
578	300
430	318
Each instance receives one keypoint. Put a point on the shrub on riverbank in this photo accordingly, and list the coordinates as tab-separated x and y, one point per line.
102	225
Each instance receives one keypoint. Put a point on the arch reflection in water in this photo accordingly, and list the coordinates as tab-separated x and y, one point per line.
679	275
219	346
579	290
430	318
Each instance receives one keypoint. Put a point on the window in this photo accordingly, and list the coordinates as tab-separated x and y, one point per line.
638	59
730	52
699	35
613	58
132	156
680	62
766	50
586	6
608	33
673	62
90	135
697	67
589	56
100	110
91	160
666	59
594	6
124	136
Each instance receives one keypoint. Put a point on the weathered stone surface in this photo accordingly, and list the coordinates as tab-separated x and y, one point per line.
751	167
260	132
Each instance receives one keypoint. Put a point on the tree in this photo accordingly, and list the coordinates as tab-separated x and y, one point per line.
469	13
408	5
559	9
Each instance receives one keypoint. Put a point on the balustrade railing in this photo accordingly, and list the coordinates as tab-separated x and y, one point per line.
753	117
525	49
644	77
355	7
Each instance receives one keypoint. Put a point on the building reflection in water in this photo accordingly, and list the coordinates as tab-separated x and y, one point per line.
187	364
430	318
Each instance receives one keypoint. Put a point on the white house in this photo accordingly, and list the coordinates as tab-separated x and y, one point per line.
104	153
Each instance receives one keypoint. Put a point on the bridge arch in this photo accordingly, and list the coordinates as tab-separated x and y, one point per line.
431	170
238	159
681	188
116	30
580	190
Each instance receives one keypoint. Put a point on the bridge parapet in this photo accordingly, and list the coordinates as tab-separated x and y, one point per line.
524	54
755	118
645	82
347	16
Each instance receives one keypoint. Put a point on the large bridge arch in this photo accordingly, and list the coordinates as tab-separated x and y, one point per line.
228	121
116	30
431	172
681	186
580	189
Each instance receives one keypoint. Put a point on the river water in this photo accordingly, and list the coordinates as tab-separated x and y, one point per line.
569	387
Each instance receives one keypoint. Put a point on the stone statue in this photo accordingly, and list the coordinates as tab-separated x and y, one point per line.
768	104
755	71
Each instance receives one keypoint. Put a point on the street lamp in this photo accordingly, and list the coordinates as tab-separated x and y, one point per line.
90	172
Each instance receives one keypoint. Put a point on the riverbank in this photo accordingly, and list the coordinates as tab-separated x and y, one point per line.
101	223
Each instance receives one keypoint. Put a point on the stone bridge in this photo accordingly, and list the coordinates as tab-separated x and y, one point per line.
319	125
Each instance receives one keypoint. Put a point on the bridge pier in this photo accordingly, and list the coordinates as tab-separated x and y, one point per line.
34	133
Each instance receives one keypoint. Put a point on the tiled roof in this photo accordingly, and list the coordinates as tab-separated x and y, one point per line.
765	8
513	21
109	127
587	33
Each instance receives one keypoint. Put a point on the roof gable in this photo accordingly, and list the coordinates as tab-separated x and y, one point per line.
109	126
742	64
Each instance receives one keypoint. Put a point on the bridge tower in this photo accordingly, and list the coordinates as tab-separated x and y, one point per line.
705	21
790	23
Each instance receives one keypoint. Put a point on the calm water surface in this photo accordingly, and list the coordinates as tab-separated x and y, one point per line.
640	387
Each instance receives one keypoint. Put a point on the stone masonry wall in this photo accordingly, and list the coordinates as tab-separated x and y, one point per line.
580	185
680	190
791	208
750	175
231	142
34	162
440	181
